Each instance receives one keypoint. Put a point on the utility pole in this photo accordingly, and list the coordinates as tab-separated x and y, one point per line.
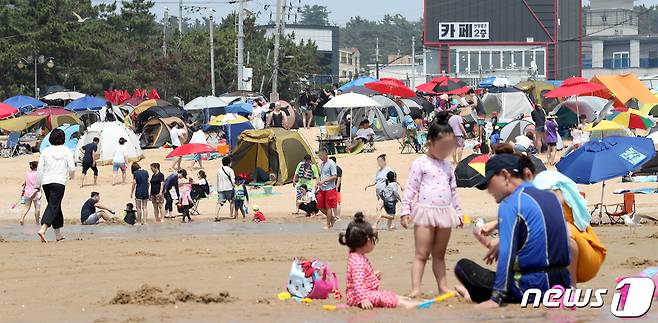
377	58
180	18
277	40
413	62
240	44
164	32
212	55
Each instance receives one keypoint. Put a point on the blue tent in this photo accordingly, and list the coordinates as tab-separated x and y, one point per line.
233	132
358	82
24	103
241	108
494	81
86	103
72	133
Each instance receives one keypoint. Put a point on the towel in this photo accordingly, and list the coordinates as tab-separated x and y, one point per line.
551	180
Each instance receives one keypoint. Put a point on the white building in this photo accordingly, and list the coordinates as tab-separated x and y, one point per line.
400	67
349	63
613	44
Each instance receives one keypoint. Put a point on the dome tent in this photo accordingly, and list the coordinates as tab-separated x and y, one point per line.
156	132
109	134
264	150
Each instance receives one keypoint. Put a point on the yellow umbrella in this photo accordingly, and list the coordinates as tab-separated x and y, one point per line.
227	119
607	128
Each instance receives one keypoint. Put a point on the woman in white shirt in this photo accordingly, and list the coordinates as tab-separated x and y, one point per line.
119	161
307	201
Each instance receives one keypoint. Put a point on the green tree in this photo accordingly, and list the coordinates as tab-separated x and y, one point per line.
315	15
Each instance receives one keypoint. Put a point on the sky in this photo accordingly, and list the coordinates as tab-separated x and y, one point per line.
341	10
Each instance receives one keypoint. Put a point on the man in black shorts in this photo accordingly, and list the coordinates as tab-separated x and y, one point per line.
89	160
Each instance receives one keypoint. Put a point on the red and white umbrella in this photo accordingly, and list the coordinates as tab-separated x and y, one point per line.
191	149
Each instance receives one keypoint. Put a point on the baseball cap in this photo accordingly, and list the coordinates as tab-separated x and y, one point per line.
495	165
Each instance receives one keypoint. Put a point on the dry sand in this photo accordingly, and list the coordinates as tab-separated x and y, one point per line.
230	271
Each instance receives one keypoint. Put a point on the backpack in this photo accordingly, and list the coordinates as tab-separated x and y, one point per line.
130	217
312	279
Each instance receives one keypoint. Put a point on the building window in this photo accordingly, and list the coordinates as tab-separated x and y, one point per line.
485	60
507	59
620	59
462	63
528	57
495	60
518	59
453	61
540	60
474	62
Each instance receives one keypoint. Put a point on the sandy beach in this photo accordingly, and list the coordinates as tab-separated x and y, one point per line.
77	280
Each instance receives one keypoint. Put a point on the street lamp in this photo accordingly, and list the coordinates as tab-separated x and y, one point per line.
36	60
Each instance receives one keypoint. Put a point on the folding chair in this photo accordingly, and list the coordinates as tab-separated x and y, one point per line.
199	192
12	144
621	209
411	142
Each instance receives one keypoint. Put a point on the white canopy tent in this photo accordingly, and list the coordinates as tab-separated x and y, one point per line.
70	95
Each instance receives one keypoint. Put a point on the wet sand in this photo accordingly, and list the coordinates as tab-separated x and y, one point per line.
76	280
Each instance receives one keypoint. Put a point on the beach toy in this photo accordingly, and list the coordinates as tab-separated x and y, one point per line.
559	299
329	307
307	300
467	219
438	299
479	224
283	296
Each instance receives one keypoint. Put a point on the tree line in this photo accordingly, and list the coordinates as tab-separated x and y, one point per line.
122	48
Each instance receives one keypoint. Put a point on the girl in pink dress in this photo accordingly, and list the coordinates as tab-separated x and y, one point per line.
362	287
31	194
186	195
430	201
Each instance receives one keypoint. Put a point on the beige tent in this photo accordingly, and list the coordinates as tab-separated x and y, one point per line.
156	132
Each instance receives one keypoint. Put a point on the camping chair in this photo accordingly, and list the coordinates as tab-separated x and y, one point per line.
199	192
621	209
12	144
411	142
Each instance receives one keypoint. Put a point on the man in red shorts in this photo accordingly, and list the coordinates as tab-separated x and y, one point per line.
326	188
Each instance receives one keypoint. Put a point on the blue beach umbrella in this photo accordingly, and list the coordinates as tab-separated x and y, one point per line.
24	103
361	81
241	108
606	158
86	103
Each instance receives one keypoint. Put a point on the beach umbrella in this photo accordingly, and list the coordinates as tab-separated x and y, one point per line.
575	86
631	119
240	108
227	119
607	128
348	87
191	149
444	85
205	102
7	110
86	103
606	158
470	171
515	129
391	87
351	100
63	96
56	116
24	103
494	81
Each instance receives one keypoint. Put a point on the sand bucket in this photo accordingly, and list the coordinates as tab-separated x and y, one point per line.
223	149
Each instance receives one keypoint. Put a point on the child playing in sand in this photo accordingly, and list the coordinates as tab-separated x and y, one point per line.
130	214
241	195
390	197
258	215
430	201
31	194
362	287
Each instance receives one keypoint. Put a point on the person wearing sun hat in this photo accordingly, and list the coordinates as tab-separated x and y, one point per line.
532	249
